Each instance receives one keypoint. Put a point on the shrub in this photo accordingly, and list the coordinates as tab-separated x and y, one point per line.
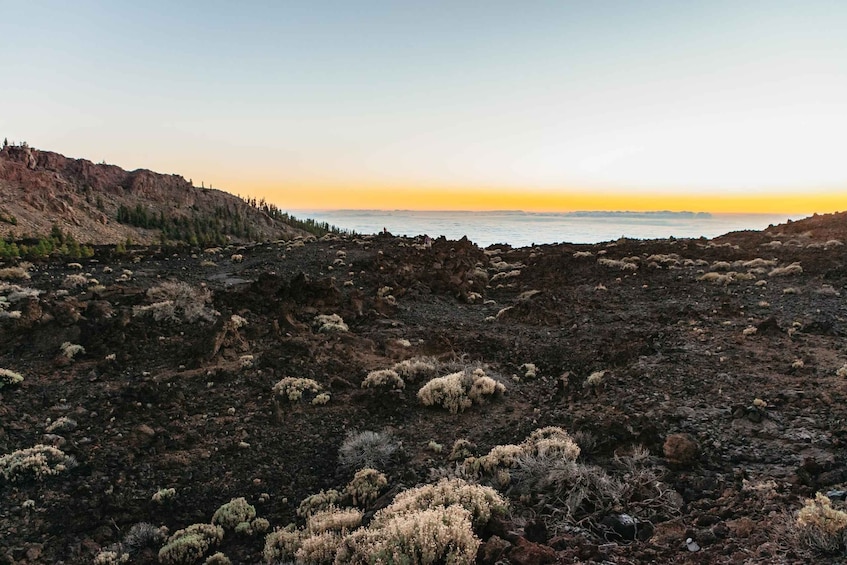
459	391
367	449
595	379
188	546
365	486
416	369
71	350
384	379
530	370
140	536
177	302
162	496
551	443
61	425
317	502
822	527
328	323
36	462
13	273
233	513
334	520
423	537
842	372
111	556
462	449
217	559
292	389
9	377
319	549
281	545
616	264
74	281
792	269
481	502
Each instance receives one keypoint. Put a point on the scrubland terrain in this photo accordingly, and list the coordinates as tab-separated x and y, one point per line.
670	401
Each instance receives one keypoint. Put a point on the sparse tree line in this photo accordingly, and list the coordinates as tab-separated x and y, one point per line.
195	230
309	225
58	244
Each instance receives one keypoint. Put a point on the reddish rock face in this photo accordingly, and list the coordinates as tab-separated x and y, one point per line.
525	552
41	188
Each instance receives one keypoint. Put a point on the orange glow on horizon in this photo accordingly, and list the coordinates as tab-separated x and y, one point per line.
440	198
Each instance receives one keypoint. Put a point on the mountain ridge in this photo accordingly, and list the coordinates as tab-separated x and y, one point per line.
40	189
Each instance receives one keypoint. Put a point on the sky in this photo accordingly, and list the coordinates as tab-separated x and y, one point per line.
737	106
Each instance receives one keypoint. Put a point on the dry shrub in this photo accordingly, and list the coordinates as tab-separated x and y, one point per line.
317	502
282	545
329	323
334	520
617	264
565	492
9	377
459	391
234	513
188	546
319	549
36	462
292	389
417	368
368	449
820	527
423	537
386	379
545	443
481	502
792	269
177	302
13	273
366	486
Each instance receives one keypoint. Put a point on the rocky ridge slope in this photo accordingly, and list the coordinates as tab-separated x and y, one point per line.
40	188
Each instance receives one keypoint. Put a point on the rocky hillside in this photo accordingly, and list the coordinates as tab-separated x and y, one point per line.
105	204
358	399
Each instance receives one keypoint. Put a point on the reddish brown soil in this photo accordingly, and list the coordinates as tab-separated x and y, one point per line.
674	348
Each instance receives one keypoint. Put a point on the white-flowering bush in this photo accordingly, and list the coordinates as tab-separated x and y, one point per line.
71	350
292	388
384	379
9	377
821	527
424	537
459	391
36	462
328	323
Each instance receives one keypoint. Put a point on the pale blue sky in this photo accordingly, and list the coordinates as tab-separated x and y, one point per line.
718	96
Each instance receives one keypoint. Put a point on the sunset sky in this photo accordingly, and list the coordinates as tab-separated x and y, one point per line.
705	106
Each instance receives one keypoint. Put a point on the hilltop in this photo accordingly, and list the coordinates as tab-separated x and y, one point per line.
104	204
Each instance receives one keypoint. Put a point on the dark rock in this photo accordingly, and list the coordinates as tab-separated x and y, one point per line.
525	552
491	551
681	449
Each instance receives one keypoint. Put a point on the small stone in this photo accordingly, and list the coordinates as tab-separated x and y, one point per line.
692	545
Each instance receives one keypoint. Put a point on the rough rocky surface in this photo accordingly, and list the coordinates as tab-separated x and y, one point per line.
40	188
730	381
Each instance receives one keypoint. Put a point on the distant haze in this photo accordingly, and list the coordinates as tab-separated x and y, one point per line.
721	106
